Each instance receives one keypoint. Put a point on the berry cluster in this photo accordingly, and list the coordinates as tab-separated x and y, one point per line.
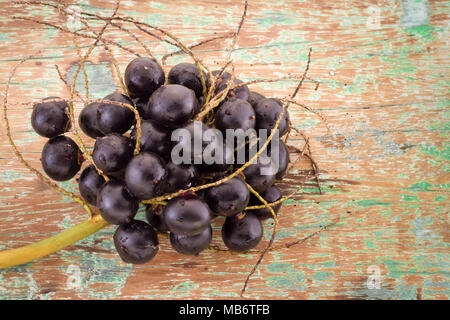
131	162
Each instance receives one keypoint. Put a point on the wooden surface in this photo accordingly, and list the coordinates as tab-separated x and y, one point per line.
383	68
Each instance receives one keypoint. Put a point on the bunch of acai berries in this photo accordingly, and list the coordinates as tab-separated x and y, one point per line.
192	148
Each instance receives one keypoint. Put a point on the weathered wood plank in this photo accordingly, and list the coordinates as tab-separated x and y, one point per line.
383	68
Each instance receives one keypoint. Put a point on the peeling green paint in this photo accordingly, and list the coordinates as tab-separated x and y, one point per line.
101	81
415	13
269	18
407	197
322	275
440	198
371	202
420	186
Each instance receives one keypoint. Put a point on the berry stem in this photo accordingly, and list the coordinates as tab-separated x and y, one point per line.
144	46
142	26
65	30
296	90
228	60
137	147
281	200
202	78
215	101
61	77
272	238
86	80
214	81
20	156
232	175
80	66
37	250
113	59
195	45
317	113
272	204
163	203
290	77
86	153
238	31
176	42
124	87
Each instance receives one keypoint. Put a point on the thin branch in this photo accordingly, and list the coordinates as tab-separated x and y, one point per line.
232	175
272	238
193	46
19	155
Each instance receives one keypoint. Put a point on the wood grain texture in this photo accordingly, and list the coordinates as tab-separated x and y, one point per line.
383	68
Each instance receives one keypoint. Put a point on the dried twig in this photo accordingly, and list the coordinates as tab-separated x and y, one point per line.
272	238
281	114
193	46
19	154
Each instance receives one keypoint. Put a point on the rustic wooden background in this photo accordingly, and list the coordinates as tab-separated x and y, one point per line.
383	68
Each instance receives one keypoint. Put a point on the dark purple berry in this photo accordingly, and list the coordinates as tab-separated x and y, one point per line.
89	184
143	76
235	114
242	233
267	113
187	74
241	92
171	105
88	120
191	245
221	162
187	216
270	195
112	152
116	204
140	104
261	174
228	198
136	242
115	118
50	119
192	134
155	216
254	98
145	175
61	158
283	159
179	177
154	138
